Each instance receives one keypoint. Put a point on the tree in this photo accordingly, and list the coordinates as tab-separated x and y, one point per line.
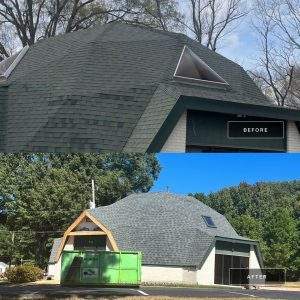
247	225
6	42
267	212
286	16
42	194
31	20
277	70
280	234
10	245
161	14
212	20
294	90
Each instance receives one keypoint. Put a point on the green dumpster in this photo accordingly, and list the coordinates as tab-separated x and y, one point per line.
101	268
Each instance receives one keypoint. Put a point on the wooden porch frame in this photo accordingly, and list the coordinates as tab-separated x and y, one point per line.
83	233
68	232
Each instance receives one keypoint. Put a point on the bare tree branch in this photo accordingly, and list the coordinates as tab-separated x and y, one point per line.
32	20
211	20
276	67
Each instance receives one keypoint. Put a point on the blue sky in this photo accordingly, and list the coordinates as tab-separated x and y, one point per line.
241	44
184	173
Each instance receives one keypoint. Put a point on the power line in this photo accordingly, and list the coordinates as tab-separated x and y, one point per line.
31	231
46	210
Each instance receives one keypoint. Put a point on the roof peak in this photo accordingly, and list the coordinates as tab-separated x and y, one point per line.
181	36
163	195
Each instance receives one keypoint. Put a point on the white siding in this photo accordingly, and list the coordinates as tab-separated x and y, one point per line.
189	276
206	275
293	137
176	141
86	225
161	274
166	274
254	264
54	270
69	244
253	260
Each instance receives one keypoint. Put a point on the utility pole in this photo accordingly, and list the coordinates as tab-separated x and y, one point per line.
12	248
93	202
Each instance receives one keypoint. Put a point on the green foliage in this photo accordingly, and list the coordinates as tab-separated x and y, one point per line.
12	245
248	226
267	212
162	14
42	194
24	273
281	236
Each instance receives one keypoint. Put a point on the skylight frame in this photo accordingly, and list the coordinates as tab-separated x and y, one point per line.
205	217
222	82
14	64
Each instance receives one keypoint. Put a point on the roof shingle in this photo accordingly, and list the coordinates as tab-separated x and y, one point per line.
108	88
168	229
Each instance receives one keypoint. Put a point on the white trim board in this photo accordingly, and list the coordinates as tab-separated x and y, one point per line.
199	63
16	62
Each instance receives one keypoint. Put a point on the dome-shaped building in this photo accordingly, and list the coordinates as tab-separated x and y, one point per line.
120	87
181	239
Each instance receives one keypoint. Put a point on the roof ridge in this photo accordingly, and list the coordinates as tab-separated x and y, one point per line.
175	195
183	37
149	28
110	25
137	122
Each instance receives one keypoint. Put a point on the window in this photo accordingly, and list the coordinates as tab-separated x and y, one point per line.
209	221
89	243
192	68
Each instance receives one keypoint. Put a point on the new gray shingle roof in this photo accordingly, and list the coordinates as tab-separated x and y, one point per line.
108	88
54	249
168	229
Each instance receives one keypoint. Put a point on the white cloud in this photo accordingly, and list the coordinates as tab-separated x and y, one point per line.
232	42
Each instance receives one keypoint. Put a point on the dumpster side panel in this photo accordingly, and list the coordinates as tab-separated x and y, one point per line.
70	267
101	268
109	267
129	268
90	269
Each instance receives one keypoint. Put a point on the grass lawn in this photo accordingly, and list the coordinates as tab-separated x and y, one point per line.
295	284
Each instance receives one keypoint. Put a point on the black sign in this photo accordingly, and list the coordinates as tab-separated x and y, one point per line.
255	129
267	276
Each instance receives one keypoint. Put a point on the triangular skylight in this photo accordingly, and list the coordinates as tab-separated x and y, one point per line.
192	67
8	65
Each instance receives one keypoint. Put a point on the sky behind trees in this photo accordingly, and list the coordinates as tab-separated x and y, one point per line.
190	173
241	44
261	35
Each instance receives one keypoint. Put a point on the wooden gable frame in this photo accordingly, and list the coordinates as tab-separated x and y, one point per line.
70	232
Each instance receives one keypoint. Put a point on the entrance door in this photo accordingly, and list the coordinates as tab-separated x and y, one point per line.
223	263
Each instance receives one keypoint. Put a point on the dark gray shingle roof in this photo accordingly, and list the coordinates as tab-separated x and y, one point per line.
96	89
169	229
